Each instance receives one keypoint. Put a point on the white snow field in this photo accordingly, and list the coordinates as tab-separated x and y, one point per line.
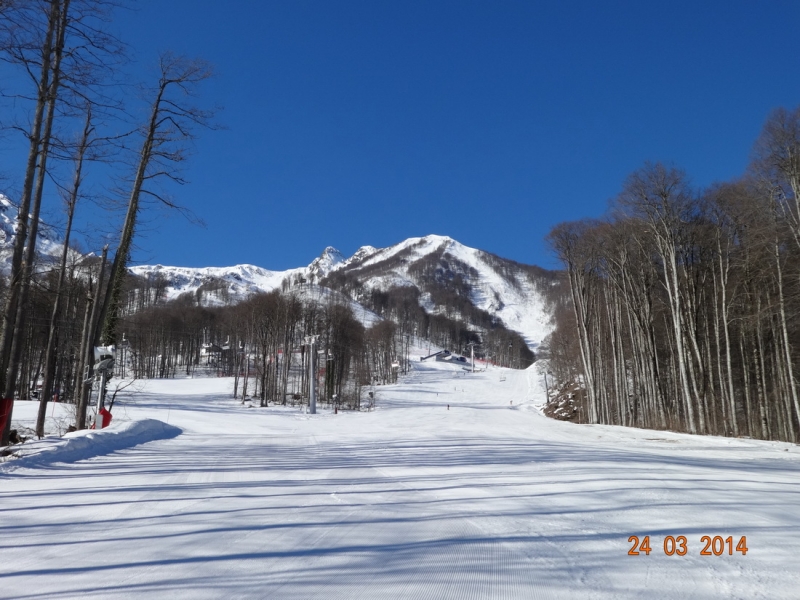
488	499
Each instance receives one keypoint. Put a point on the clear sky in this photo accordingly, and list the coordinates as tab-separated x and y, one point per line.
353	123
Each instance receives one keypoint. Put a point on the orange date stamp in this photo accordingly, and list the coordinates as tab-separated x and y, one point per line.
679	545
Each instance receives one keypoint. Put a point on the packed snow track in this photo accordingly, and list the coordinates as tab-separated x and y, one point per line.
485	498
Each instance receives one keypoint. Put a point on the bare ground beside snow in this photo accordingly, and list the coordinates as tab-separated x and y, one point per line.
486	499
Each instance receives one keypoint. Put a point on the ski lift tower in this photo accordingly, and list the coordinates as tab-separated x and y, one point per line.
311	341
124	345
472	354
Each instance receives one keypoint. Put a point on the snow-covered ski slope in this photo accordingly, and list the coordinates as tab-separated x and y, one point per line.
486	499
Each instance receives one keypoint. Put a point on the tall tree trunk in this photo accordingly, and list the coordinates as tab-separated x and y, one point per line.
110	309
49	361
22	266
94	326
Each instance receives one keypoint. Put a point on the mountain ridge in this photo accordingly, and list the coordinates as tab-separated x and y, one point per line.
443	276
511	291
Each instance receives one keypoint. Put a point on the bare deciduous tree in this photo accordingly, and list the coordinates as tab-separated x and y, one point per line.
171	124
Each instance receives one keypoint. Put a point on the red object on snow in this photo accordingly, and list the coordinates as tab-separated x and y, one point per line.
106	419
5	411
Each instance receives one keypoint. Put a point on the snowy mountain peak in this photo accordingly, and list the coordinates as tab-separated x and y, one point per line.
510	291
360	255
8	218
48	243
329	260
439	239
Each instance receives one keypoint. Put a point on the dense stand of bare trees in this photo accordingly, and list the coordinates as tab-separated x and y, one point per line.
261	342
66	76
52	337
684	307
265	345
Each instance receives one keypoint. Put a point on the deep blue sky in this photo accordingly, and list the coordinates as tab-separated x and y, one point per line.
353	123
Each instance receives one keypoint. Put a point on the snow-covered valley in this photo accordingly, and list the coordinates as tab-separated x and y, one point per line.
455	486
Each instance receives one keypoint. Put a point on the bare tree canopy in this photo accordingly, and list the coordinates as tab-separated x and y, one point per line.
173	121
685	304
67	67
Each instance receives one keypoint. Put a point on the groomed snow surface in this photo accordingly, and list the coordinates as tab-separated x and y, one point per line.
488	499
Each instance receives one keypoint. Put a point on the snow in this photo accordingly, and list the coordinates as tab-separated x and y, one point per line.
521	307
323	296
420	246
48	244
82	445
484	499
325	263
361	254
517	303
242	280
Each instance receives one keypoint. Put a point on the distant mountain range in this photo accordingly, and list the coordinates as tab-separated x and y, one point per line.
515	293
445	276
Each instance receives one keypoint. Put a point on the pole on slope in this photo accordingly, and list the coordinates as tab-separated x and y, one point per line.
546	387
472	354
101	393
312	392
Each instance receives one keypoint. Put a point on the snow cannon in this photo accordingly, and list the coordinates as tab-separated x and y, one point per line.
104	358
